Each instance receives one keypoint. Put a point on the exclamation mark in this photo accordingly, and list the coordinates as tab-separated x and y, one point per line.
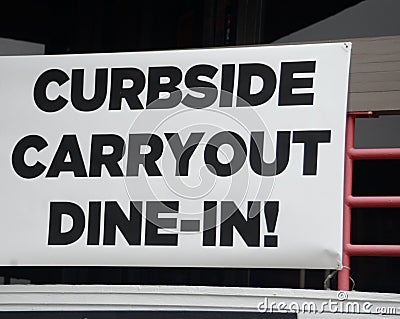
271	210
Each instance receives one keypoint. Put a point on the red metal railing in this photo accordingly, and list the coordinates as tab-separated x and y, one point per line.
362	201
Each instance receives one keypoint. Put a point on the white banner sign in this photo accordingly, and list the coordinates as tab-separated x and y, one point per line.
227	157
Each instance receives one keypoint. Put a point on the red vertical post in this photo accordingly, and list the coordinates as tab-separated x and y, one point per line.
344	274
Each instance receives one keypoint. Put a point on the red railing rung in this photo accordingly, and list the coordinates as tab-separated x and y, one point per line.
373	250
373	201
374	153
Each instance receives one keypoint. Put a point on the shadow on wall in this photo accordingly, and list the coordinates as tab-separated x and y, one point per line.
370	18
